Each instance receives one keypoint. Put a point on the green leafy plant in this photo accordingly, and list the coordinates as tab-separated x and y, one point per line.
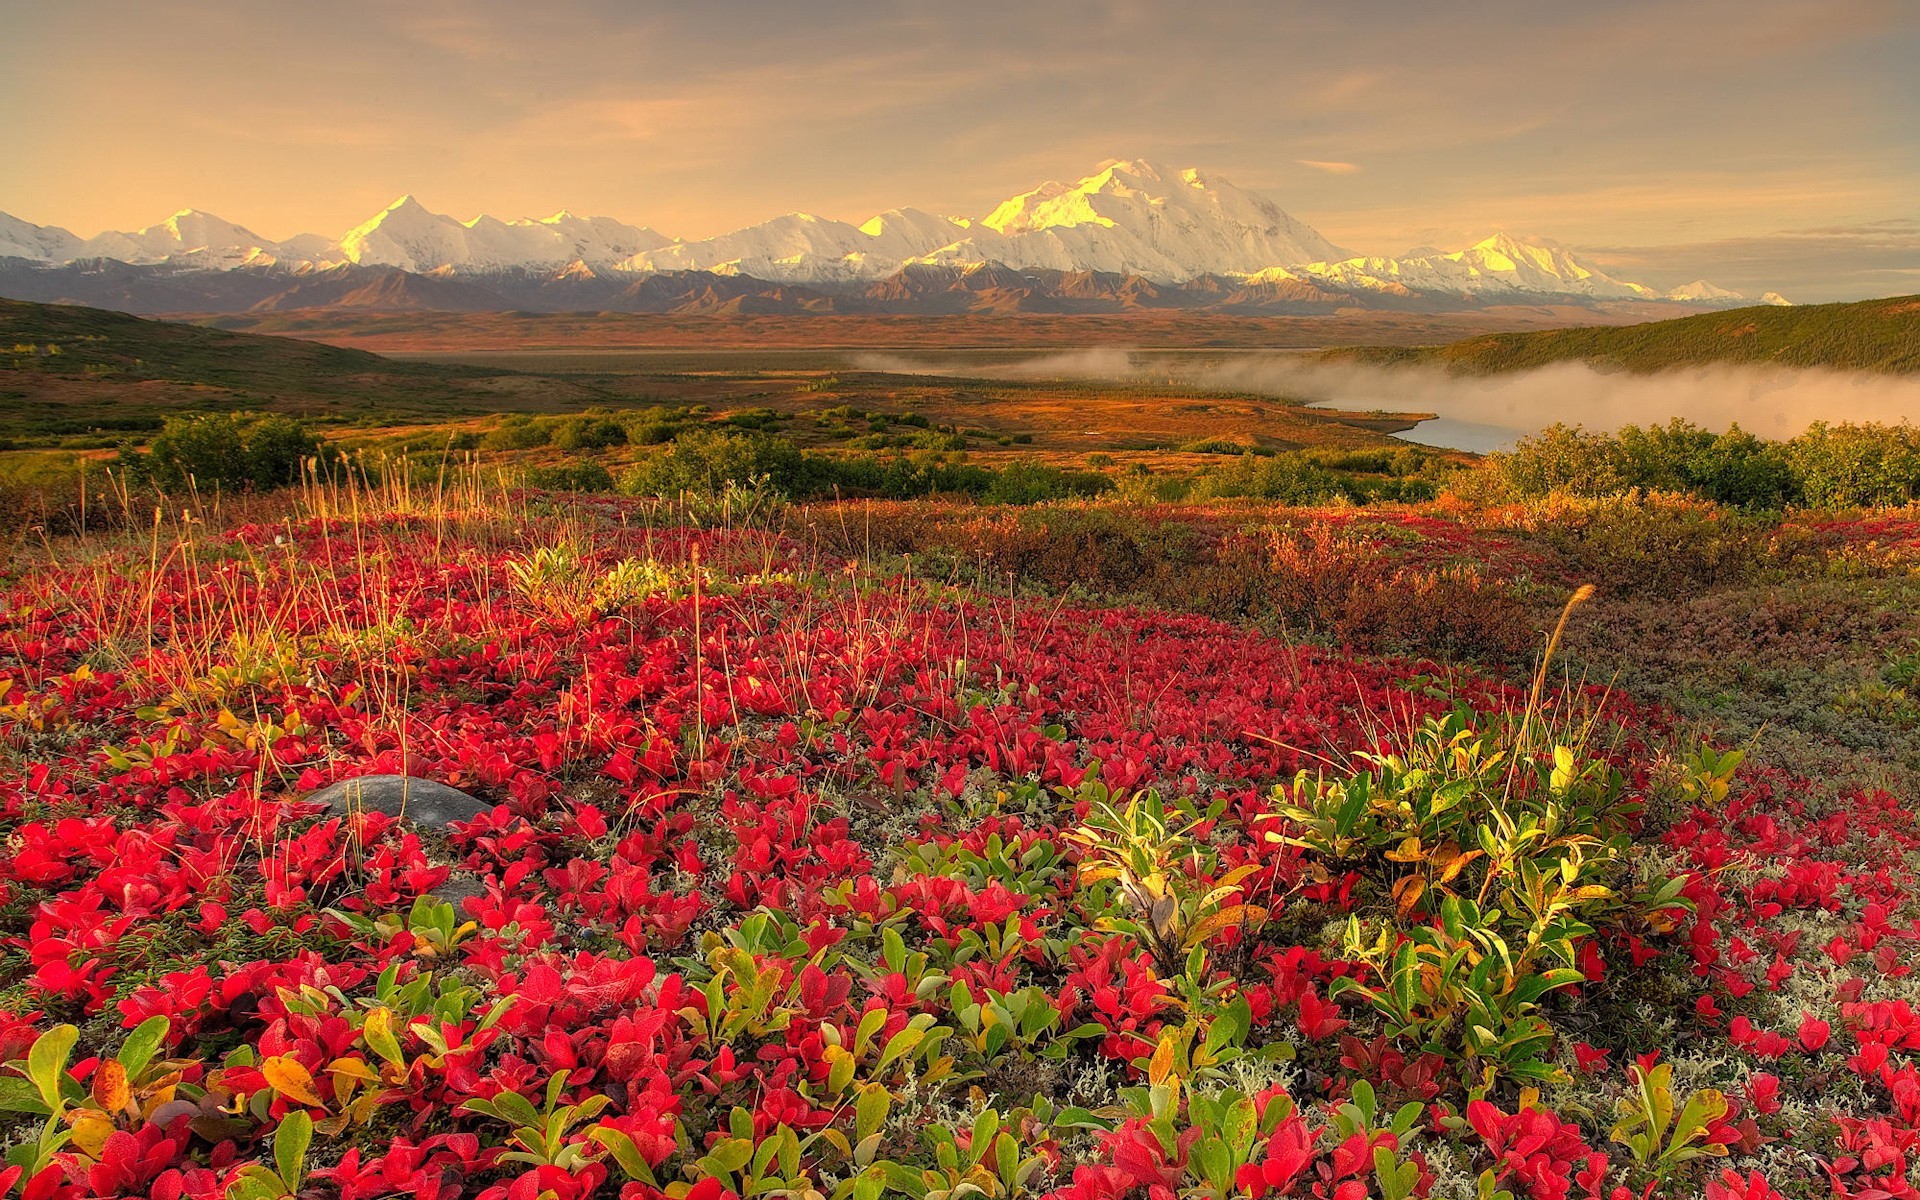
1660	1139
544	1136
1150	856
1460	990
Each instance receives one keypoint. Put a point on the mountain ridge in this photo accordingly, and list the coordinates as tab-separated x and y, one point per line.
1164	227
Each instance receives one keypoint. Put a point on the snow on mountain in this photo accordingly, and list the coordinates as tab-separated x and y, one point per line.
803	248
1497	266
1141	218
407	235
40	243
1129	218
1777	299
1700	289
188	237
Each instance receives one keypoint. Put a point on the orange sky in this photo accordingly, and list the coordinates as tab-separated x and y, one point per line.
1776	135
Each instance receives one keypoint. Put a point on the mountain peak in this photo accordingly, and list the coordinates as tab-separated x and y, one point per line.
1165	224
1507	243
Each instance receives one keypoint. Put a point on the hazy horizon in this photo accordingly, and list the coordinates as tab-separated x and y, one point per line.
1760	145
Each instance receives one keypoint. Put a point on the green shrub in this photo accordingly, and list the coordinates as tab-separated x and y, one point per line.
570	477
1654	543
1286	478
588	434
1848	465
1032	483
707	460
931	440
518	433
226	452
1828	466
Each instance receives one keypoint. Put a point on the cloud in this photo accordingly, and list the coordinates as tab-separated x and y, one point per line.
1712	120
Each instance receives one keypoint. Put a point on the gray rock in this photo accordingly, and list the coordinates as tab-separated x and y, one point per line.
457	891
421	801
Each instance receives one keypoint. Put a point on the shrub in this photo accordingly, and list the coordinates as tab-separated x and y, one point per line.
1828	466
1288	479
1337	586
1031	483
226	452
518	433
707	460
570	477
588	433
1848	465
1654	543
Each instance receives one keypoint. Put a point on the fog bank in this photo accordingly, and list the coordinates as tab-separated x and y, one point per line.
1486	412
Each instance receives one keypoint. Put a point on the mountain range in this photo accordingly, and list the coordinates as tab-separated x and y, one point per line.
1133	234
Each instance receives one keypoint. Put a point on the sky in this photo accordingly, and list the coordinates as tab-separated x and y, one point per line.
1762	144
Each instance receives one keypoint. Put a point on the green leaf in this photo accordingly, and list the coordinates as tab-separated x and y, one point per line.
138	1050
625	1152
290	1141
870	1111
47	1063
730	1154
21	1096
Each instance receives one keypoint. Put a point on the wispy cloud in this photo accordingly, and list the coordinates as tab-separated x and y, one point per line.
1713	120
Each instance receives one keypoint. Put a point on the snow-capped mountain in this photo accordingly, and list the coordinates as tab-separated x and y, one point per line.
801	247
406	235
1497	266
1701	290
1133	217
37	243
1136	219
1144	219
205	240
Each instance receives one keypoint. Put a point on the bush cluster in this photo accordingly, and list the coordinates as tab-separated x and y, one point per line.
226	452
708	461
1828	466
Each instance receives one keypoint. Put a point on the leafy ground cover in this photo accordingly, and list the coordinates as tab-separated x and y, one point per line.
811	873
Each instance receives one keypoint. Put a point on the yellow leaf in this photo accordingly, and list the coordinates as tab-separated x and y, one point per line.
110	1090
353	1068
291	1080
1161	1064
1457	864
1408	851
378	1030
91	1129
1407	893
1233	915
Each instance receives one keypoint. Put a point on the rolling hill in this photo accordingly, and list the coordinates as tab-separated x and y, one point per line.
66	369
1865	335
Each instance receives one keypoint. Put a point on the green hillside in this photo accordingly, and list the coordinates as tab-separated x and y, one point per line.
69	340
1866	335
68	372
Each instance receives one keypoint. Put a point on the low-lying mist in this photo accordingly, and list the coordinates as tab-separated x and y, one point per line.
1484	412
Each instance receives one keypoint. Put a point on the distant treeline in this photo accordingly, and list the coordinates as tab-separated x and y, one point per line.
1864	335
